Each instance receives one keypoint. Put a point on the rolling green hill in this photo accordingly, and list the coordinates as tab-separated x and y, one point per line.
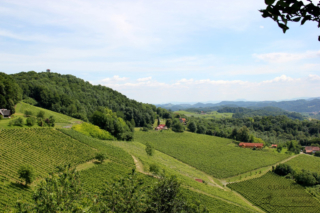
216	156
306	162
208	115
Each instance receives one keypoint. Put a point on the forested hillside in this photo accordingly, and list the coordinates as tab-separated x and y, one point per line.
10	92
78	98
241	112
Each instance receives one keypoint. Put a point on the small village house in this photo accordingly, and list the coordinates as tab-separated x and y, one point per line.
161	127
311	149
274	146
251	145
5	113
182	120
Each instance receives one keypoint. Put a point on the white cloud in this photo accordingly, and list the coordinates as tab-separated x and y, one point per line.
115	78
144	79
286	57
184	90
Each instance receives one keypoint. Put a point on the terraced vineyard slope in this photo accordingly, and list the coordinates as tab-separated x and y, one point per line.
215	156
274	193
305	162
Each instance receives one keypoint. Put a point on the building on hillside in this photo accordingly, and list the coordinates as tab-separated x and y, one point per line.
251	145
5	113
274	146
182	120
311	149
161	127
48	70
199	180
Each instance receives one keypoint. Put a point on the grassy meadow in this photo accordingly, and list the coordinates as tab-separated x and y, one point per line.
209	115
274	193
216	156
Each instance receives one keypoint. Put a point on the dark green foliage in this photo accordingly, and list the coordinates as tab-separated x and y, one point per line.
305	178
192	126
177	126
27	113
50	121
154	168
149	149
27	173
283	169
145	129
41	114
108	120
30	101
100	157
243	134
293	146
40	122
18	122
31	121
75	97
1	117
317	154
10	92
284	11
168	123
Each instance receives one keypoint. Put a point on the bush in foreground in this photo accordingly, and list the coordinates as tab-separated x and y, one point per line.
283	169
27	173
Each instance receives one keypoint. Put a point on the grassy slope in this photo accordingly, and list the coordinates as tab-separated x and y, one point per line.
216	156
274	193
306	162
209	115
185	173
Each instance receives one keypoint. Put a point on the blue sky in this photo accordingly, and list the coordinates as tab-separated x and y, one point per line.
163	51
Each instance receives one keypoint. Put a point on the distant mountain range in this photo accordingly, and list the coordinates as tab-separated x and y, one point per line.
301	105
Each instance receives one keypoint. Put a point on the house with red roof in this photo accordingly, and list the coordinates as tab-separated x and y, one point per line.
311	149
251	145
161	126
182	120
274	146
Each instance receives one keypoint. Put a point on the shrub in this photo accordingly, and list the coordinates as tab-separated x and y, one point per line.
305	178
40	114
149	149
27	113
31	121
317	154
154	169
177	126
100	157
94	131
18	122
27	173
145	129
283	169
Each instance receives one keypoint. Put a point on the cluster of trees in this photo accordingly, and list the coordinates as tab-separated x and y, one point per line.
271	129
302	177
77	98
62	192
241	112
10	92
109	121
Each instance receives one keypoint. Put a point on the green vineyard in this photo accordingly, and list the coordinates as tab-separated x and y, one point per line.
307	162
274	193
44	149
215	156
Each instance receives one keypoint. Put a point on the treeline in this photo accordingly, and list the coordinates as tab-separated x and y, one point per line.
241	112
75	97
10	92
271	129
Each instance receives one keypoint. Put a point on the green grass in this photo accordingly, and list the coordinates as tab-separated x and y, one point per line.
306	162
216	156
209	115
185	173
274	193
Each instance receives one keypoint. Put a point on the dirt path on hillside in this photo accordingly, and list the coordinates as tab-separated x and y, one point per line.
225	182
139	165
227	201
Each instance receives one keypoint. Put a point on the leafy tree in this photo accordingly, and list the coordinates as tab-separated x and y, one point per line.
305	178
50	121
40	122
31	121
168	123
28	113
158	121
154	168
27	173
192	126
243	134
1	117
18	122
10	92
283	169
41	114
149	149
317	154
177	126
284	11
201	129
100	157
279	148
